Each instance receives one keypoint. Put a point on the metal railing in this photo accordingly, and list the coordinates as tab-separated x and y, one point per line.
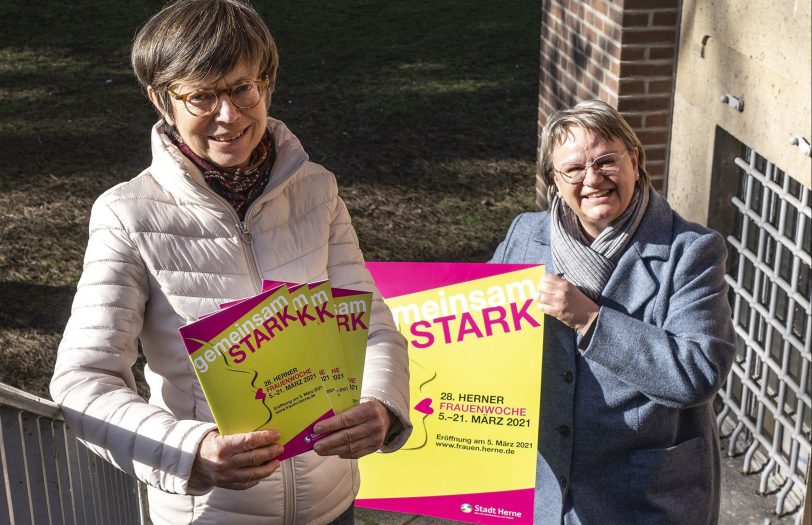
49	477
767	413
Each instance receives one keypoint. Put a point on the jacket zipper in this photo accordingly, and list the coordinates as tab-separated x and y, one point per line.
247	239
289	486
288	479
245	234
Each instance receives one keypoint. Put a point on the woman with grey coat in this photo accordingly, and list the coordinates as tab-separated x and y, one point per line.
638	335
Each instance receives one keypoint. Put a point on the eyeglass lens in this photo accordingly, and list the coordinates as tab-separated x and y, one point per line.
244	95
609	163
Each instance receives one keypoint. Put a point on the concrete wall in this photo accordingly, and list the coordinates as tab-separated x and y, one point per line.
758	50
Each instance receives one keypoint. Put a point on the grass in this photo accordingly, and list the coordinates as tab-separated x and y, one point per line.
425	111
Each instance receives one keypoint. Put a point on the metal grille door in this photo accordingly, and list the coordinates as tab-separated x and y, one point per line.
766	413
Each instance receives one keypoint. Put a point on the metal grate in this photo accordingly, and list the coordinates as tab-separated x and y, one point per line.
51	478
767	412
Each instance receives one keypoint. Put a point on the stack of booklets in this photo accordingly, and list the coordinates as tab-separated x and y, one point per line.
283	359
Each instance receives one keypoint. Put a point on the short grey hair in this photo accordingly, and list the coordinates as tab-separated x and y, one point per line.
192	40
594	116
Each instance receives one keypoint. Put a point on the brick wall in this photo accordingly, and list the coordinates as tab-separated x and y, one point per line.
622	52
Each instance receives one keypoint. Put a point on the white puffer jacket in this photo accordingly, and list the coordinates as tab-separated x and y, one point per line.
165	249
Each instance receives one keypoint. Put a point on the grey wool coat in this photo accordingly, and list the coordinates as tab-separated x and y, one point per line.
627	432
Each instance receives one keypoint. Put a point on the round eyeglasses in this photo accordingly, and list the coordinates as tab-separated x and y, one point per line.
607	164
245	95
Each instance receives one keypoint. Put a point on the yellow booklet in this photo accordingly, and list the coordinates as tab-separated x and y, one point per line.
314	303
257	368
353	309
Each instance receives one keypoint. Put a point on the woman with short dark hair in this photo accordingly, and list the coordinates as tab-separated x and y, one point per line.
638	336
230	199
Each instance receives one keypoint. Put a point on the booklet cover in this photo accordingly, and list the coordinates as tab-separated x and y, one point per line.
257	368
475	351
353	310
314	302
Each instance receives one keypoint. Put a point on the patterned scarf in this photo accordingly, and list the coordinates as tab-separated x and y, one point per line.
239	186
589	265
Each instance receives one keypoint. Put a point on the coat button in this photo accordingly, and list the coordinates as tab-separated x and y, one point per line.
568	377
564	430
563	481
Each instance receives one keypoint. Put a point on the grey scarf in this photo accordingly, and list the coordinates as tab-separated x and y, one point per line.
589	266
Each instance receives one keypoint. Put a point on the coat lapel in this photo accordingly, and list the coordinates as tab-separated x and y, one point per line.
539	247
632	284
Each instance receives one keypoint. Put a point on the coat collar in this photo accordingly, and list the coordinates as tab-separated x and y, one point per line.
181	178
653	236
632	284
651	241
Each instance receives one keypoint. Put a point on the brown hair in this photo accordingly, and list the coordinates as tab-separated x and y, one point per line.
597	117
193	40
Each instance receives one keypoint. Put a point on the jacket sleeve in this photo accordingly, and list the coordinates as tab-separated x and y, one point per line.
685	361
93	380
386	368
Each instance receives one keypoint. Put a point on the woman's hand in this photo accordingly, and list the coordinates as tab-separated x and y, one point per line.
564	301
236	461
356	432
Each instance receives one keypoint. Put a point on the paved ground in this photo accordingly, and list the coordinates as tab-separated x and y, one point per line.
741	505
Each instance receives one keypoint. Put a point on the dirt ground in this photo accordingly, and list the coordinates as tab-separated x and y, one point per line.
426	113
